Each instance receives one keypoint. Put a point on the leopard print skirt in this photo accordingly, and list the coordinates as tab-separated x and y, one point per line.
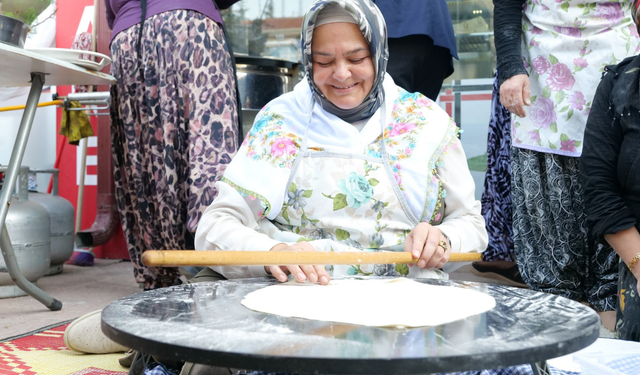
174	131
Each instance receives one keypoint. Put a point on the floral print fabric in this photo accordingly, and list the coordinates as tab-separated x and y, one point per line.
173	134
351	201
566	45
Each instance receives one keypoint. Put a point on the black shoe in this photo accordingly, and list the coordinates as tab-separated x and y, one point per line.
127	359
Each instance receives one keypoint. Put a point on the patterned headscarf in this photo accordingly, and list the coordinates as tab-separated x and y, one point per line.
634	10
374	30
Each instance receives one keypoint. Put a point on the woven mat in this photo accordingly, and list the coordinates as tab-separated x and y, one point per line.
43	353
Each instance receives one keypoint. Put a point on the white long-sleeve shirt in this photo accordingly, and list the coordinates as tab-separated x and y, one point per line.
229	223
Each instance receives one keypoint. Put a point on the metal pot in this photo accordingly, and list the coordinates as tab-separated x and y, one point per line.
13	31
260	80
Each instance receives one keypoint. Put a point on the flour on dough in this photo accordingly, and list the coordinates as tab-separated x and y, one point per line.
397	302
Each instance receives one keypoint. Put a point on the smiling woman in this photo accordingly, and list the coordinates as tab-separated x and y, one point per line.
347	161
343	70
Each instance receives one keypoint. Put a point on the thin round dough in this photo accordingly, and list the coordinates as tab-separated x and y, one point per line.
397	302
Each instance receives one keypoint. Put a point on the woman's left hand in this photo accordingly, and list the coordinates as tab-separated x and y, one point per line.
428	246
515	93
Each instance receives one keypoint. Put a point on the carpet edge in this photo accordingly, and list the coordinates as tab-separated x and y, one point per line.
36	331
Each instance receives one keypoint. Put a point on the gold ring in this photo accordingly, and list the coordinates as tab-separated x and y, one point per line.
443	244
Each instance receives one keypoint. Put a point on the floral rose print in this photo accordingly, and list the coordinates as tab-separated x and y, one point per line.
560	77
259	125
565	58
321	234
266	141
356	188
577	101
378	206
375	240
297	199
580	63
423	101
611	12
541	64
400	135
400	129
282	146
567	144
571	31
542	112
535	136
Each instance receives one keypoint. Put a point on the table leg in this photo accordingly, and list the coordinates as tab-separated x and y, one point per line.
37	82
540	368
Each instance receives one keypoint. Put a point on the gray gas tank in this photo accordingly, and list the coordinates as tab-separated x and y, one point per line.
62	216
28	226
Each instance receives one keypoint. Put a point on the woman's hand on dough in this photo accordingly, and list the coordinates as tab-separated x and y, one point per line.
515	93
301	273
424	245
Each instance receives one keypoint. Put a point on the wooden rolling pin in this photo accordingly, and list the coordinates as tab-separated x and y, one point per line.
177	258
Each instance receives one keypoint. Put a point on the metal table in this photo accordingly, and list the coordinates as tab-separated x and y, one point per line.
205	323
20	67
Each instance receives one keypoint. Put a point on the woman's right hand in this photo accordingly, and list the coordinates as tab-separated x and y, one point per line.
515	93
315	273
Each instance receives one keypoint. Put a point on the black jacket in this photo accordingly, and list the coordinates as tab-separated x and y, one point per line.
507	30
610	161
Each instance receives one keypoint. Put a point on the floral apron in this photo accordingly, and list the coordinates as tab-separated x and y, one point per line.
566	45
345	201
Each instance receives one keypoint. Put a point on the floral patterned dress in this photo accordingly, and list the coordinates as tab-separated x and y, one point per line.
567	44
306	175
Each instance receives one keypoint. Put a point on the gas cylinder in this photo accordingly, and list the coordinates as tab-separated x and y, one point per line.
61	213
28	226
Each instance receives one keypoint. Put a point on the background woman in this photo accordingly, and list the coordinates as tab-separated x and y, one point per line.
609	167
174	121
550	58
